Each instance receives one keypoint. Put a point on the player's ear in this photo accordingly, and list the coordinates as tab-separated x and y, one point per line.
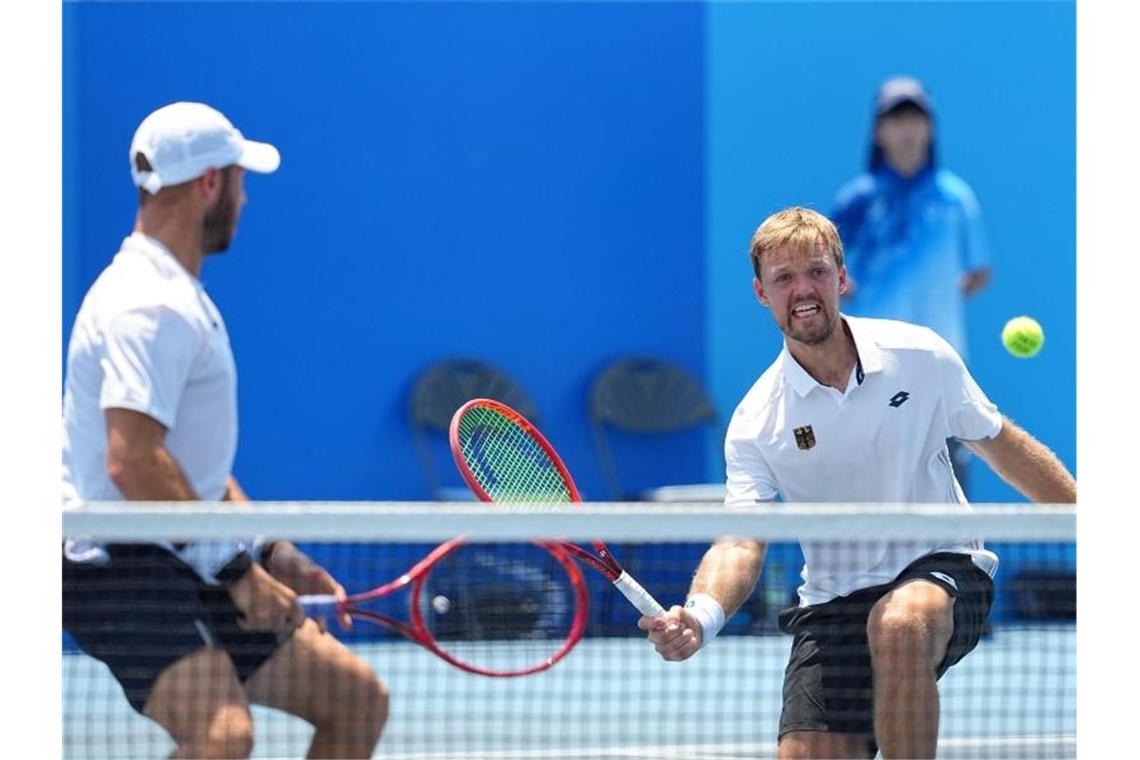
758	289
210	183
843	283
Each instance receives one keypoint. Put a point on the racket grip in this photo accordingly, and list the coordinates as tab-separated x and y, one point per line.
640	598
318	605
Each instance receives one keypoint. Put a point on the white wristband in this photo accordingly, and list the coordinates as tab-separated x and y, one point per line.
708	613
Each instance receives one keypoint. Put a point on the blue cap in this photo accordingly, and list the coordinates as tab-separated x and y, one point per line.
899	91
895	93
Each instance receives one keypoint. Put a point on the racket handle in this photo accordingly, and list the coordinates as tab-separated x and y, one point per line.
318	605
640	598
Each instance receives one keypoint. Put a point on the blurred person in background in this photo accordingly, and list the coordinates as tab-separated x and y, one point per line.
912	230
193	632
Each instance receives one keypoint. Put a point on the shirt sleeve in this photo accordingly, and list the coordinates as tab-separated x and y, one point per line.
749	479
970	415
975	248
148	354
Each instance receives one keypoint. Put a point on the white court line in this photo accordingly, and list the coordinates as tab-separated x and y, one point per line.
731	751
1009	741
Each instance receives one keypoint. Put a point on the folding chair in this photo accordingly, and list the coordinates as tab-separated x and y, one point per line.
439	391
649	396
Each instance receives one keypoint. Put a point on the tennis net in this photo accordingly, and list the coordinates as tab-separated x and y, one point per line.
500	602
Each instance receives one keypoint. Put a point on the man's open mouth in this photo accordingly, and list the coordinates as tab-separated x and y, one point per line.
806	310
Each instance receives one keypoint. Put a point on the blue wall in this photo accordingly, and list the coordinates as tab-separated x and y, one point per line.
514	182
602	164
789	90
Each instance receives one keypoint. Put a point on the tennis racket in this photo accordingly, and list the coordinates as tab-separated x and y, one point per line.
504	458
491	609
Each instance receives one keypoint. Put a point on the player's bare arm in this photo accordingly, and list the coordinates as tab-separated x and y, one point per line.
234	491
1027	465
296	570
727	573
976	280
143	469
138	462
290	566
265	603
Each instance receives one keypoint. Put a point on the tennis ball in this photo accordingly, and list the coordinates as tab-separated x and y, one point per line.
441	604
1023	337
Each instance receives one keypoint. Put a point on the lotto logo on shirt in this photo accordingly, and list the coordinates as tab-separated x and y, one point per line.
805	437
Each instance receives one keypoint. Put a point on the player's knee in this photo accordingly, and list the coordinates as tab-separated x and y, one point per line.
368	711
897	636
907	638
375	703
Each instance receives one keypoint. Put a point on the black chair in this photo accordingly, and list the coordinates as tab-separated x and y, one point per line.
439	391
648	396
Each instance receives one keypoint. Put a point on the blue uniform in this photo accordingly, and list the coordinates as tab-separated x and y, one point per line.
908	242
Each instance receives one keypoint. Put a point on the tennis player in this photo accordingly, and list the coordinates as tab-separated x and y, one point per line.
856	410
192	632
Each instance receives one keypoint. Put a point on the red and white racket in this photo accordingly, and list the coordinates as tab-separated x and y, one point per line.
490	609
504	458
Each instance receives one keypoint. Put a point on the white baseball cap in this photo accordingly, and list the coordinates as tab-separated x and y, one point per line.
182	140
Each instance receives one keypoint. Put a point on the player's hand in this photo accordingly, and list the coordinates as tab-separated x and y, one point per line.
295	569
265	604
676	635
974	281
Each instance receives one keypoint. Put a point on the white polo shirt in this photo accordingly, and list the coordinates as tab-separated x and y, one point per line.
882	440
148	338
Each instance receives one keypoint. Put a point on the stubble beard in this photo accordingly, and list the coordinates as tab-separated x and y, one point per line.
808	336
218	223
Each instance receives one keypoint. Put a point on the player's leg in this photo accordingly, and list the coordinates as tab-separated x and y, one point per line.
137	609
316	677
202	705
971	591
818	745
908	631
827	707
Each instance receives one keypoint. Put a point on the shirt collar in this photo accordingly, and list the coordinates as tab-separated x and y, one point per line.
869	358
158	254
870	354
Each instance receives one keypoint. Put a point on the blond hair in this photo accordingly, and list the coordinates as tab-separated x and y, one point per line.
799	228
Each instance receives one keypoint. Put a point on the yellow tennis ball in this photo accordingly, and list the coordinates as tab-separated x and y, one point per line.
1023	337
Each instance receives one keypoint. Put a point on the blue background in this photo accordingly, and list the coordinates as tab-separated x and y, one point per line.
788	95
548	186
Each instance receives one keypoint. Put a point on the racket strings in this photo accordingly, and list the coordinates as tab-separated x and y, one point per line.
503	607
508	463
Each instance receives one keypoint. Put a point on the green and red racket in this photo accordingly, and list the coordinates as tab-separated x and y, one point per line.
504	458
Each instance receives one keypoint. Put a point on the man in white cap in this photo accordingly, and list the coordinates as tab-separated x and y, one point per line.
194	632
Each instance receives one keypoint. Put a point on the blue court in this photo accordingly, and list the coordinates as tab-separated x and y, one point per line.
1014	696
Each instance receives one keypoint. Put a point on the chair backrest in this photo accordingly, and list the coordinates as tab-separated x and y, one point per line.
447	385
644	395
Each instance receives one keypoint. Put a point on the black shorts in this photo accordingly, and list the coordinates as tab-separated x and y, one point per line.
827	684
145	608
